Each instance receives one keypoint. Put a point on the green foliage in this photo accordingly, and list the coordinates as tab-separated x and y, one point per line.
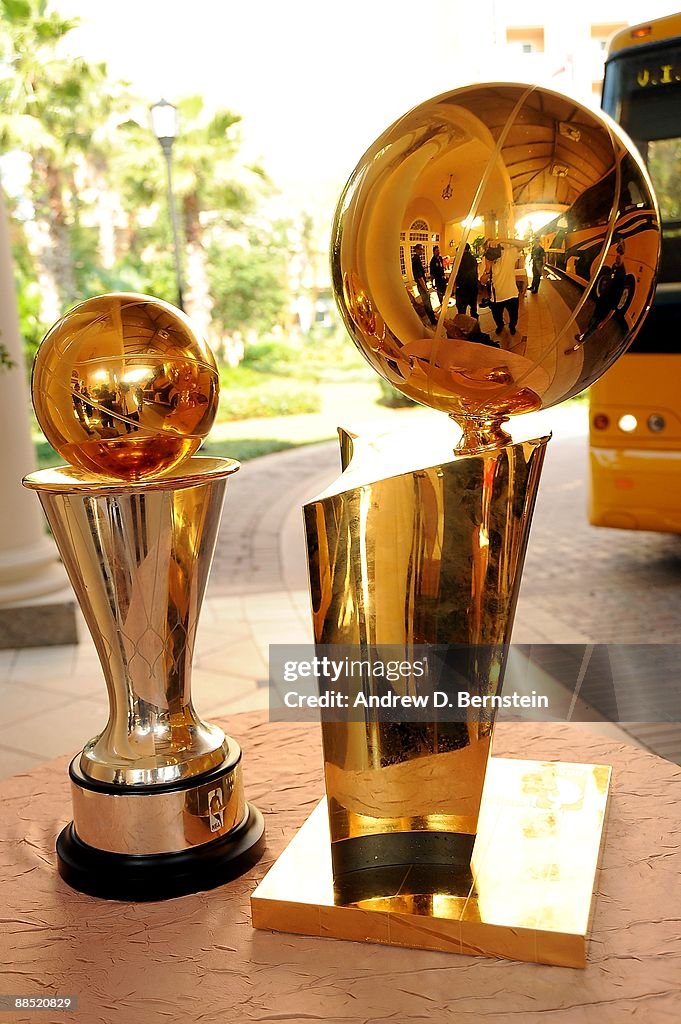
328	354
6	361
248	287
393	398
322	358
31	327
664	160
243	449
45	454
242	376
263	388
270	355
97	194
271	397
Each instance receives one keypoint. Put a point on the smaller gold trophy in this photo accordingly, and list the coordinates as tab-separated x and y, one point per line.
126	392
424	840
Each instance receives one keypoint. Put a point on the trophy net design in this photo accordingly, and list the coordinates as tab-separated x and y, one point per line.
125	390
425	841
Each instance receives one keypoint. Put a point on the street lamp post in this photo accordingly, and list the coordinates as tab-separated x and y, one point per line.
164	126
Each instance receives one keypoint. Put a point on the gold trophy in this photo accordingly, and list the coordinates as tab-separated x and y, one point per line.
424	840
126	392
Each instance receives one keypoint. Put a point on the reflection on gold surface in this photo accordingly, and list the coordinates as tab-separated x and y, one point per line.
174	820
124	387
429	556
528	896
138	557
442	226
429	224
125	390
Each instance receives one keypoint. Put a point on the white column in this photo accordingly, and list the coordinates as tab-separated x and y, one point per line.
29	565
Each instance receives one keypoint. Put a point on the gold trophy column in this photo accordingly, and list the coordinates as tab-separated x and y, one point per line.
430	556
465	189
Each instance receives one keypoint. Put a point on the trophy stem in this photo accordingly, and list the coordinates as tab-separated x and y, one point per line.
481	432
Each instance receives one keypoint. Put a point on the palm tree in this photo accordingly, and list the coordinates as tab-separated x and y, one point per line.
216	190
54	109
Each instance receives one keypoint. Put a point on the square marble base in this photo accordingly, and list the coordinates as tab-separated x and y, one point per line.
527	895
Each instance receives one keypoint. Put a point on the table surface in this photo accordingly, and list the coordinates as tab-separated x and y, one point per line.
197	959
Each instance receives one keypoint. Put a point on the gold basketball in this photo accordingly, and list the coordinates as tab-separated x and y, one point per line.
548	237
122	386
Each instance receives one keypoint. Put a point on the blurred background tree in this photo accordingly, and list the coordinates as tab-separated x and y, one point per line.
90	214
87	195
52	111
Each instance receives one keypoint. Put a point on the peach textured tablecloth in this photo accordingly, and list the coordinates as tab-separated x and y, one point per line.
197	959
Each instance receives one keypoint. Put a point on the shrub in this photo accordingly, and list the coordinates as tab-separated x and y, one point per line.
391	397
265	355
272	398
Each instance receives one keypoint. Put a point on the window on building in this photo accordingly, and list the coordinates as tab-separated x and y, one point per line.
419	231
529	39
602	33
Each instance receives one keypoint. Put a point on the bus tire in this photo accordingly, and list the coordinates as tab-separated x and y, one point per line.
602	282
627	294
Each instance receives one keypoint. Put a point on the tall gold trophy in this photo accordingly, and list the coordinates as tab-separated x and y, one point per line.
126	392
424	840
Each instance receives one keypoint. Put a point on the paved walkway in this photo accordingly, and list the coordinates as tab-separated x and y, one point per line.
580	584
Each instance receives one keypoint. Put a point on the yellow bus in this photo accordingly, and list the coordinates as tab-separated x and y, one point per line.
635	408
573	242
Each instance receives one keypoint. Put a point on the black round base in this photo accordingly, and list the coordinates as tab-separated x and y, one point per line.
162	876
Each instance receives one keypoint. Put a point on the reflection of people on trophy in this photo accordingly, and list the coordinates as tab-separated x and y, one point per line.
437	273
521	276
107	405
468	328
500	259
81	407
186	396
130	402
545	204
477	372
608	288
419	275
160	387
87	404
538	257
466	294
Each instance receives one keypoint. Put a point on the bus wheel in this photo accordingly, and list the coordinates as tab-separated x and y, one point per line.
627	294
602	282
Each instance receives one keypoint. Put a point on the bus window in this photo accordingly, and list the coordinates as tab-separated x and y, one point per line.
648	107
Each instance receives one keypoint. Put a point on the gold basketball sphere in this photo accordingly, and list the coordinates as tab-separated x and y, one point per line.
123	386
547	226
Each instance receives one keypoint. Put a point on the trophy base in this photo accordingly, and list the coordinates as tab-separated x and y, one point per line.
526	894
117	876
